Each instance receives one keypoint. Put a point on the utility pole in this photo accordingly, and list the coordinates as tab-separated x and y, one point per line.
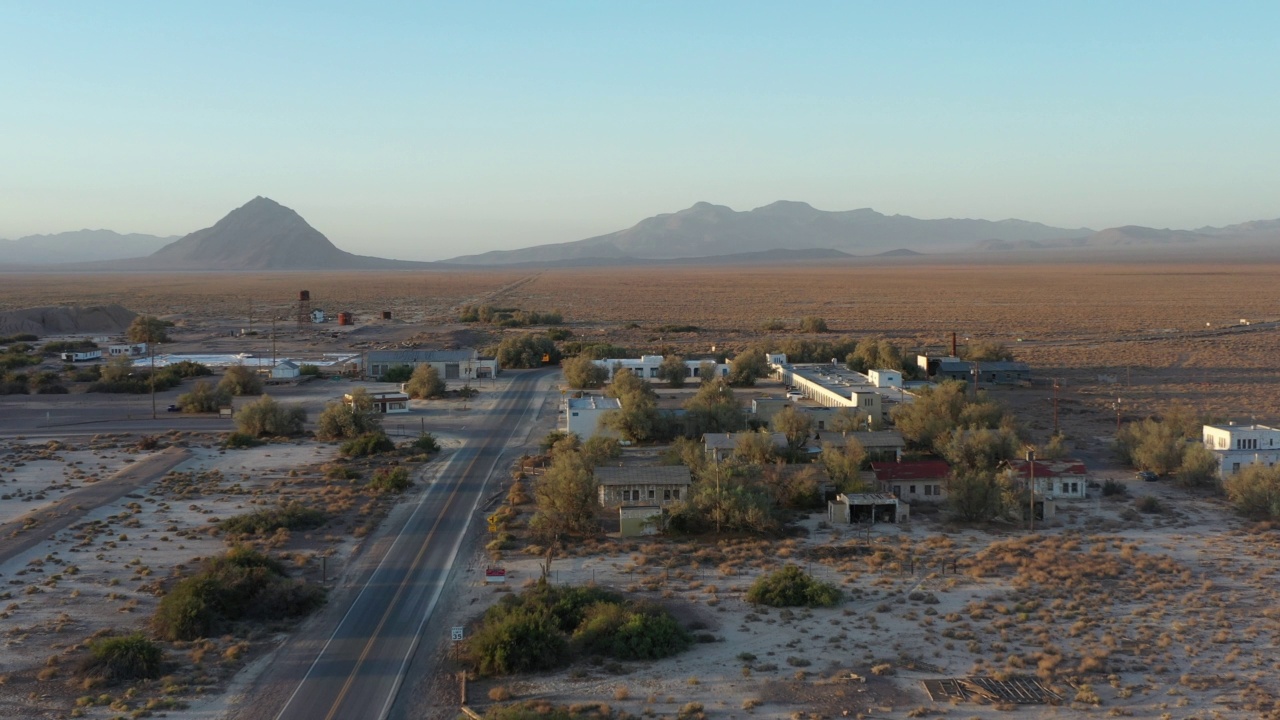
1031	490
151	350
1056	385
1117	416
273	343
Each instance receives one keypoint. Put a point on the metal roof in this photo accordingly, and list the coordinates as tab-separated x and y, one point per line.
420	356
911	470
729	441
643	475
593	402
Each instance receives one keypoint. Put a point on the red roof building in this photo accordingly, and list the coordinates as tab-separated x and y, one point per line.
913	480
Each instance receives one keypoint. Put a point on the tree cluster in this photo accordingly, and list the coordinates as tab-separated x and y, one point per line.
1169	446
265	417
526	351
545	627
508	317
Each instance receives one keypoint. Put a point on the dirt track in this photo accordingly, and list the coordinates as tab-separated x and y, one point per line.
33	528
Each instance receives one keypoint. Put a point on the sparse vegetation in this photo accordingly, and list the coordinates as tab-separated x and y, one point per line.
121	658
265	417
293	516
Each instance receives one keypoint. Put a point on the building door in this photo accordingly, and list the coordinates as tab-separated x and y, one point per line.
451	371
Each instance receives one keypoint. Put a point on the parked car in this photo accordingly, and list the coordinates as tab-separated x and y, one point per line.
1148	476
173	408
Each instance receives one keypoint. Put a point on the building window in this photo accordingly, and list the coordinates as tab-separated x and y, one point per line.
676	493
822	424
911	490
1235	467
666	494
652	493
897	490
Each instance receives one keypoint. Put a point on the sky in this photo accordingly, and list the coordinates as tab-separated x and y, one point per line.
425	131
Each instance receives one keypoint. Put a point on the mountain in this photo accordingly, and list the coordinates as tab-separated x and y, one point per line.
79	246
706	230
1138	235
261	235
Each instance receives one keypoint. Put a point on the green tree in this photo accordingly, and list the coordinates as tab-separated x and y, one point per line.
1199	467
425	382
565	497
847	420
638	420
976	495
147	329
343	420
707	371
203	398
813	324
526	351
581	372
755	448
844	465
714	409
673	370
117	369
874	353
240	380
266	417
979	449
796	426
397	374
1255	491
941	409
747	367
599	450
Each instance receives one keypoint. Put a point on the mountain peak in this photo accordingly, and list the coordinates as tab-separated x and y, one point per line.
789	207
262	234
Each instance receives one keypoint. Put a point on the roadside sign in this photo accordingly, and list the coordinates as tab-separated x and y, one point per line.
457	634
495	575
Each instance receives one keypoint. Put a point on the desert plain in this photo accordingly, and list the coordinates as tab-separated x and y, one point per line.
1165	614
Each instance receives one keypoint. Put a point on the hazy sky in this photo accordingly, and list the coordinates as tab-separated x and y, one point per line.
425	131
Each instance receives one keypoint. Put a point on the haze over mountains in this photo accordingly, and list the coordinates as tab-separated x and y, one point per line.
706	230
80	246
265	235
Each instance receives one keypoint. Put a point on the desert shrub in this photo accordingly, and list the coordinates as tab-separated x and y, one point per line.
14	384
545	626
266	417
239	441
1114	488
242	585
123	657
368	444
391	480
239	380
19	338
426	443
559	334
1148	504
792	587
596	351
203	398
985	351
188	369
47	382
773	325
397	373
294	516
425	382
58	347
813	324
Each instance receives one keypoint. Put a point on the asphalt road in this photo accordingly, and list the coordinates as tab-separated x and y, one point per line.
358	670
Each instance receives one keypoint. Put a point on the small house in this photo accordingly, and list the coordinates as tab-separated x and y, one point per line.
128	350
642	485
317	316
384	402
1054	478
285	370
720	446
582	415
82	356
867	508
913	480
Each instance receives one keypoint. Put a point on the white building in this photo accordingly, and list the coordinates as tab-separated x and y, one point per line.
130	350
646	367
582	415
317	316
384	402
1238	446
883	378
465	364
